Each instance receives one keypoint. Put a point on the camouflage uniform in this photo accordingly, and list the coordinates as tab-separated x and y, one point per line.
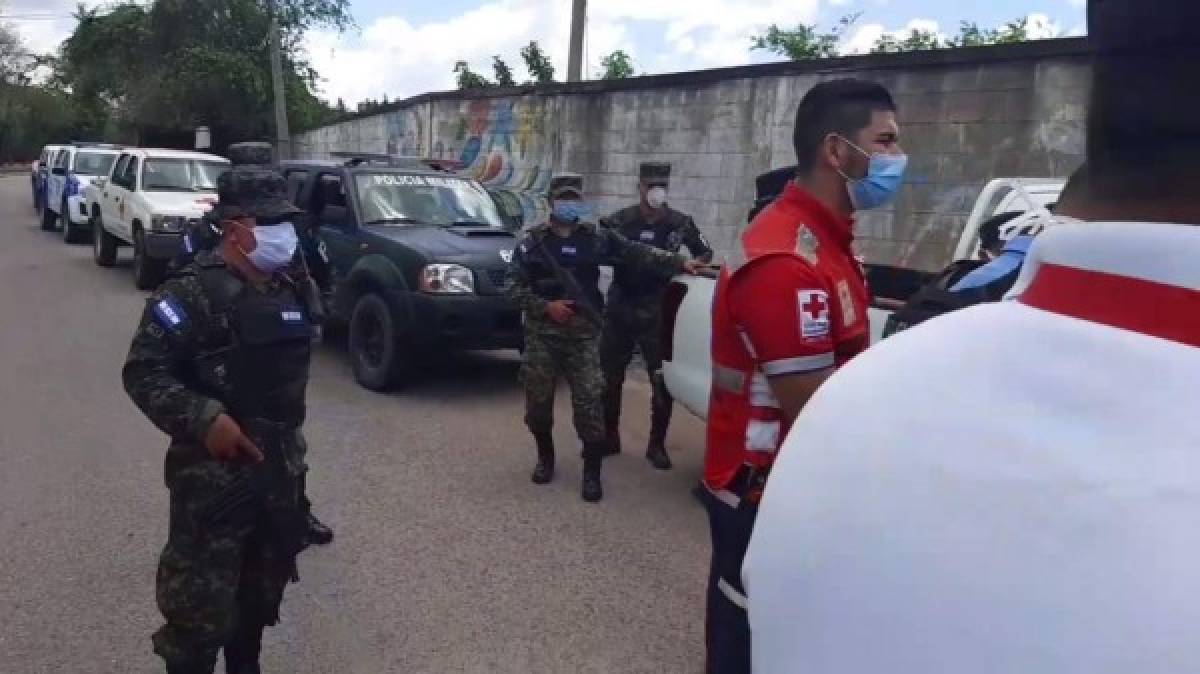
634	313
570	350
210	343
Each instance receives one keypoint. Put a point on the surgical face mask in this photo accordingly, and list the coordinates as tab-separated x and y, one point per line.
656	197
885	174
571	211
274	247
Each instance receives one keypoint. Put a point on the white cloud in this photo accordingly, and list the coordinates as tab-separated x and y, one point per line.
1040	27
1077	3
44	24
393	56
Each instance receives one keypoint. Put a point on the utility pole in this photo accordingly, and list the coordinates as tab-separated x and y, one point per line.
575	55
282	137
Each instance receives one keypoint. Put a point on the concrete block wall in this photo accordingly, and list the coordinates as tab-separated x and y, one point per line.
966	116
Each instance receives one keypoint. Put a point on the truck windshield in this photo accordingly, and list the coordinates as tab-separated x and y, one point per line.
399	199
94	163
181	175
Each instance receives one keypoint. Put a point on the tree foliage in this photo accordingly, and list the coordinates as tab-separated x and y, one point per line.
803	41
469	79
168	66
537	63
807	42
504	74
616	66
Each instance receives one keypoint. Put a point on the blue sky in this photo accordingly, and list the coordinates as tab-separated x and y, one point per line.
402	49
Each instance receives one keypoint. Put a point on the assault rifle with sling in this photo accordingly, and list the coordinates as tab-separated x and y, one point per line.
571	286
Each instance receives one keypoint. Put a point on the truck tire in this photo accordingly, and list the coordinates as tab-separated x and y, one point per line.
71	233
49	220
104	245
147	272
375	348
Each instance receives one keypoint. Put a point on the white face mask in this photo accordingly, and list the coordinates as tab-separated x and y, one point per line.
274	247
656	197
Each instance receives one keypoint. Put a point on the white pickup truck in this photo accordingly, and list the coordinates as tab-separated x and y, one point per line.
75	167
687	308
146	202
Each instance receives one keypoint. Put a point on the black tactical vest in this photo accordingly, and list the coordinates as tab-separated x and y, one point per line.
578	255
665	235
266	364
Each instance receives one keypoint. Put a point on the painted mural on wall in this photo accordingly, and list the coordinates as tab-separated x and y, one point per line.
404	132
508	145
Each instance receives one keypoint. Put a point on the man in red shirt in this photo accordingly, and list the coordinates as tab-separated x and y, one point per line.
791	311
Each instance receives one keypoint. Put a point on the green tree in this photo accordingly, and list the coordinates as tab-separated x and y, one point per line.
616	66
170	65
469	79
803	41
504	74
537	63
915	40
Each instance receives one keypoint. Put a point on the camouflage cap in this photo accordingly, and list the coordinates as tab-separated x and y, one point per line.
250	153
655	172
565	183
253	191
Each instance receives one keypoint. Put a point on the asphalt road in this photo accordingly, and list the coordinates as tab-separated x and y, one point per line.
447	558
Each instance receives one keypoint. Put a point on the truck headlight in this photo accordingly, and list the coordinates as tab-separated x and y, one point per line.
447	279
167	223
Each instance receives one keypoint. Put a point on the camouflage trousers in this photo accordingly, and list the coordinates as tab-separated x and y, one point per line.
215	581
627	326
548	357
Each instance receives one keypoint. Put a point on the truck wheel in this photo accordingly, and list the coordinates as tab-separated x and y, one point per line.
104	245
48	219
147	272
374	346
71	233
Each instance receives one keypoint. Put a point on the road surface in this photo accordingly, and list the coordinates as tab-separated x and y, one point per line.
447	558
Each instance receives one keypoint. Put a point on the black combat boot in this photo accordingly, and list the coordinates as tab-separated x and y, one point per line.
316	531
612	445
241	652
544	471
656	454
660	419
189	669
593	459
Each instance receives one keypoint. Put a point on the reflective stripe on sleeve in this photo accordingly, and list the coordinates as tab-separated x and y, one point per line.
798	365
736	598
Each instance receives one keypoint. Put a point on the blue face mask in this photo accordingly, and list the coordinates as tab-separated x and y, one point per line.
571	212
274	246
884	176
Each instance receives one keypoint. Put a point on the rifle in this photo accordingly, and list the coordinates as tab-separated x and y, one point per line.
263	493
574	291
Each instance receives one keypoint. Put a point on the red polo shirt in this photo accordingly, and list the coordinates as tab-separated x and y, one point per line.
798	304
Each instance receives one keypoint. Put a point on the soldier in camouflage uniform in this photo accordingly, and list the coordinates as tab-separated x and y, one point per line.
553	279
220	364
309	262
634	313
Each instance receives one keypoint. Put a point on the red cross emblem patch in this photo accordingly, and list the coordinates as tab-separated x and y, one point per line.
814	314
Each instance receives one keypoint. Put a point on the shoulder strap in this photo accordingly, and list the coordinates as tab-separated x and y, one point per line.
221	287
